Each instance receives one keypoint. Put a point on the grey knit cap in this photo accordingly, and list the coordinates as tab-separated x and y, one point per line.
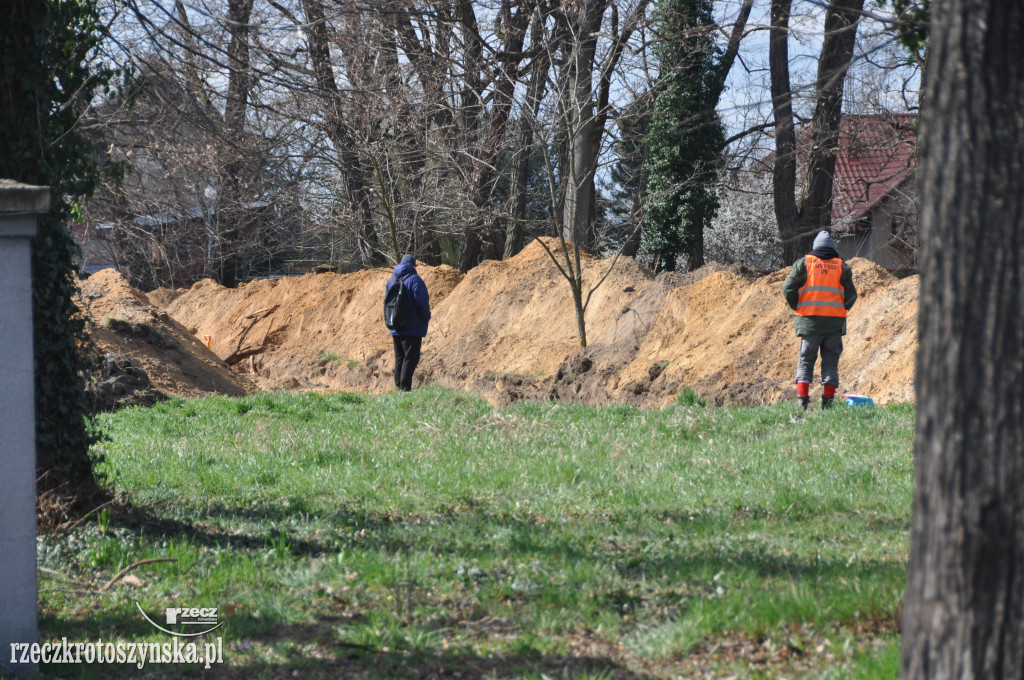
410	258
823	240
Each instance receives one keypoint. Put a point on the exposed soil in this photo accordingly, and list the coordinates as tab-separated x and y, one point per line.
508	331
145	354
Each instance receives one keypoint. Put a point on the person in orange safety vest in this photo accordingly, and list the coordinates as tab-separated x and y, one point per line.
819	290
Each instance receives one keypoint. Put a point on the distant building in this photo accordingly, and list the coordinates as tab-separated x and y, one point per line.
100	246
97	246
874	196
874	189
186	205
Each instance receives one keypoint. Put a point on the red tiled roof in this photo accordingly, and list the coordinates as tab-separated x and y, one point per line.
876	154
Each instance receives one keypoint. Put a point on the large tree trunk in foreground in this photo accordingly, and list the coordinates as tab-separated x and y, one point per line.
964	611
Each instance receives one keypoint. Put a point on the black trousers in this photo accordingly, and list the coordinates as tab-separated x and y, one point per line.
407	356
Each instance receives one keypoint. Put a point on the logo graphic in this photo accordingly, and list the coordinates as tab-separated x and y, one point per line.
204	617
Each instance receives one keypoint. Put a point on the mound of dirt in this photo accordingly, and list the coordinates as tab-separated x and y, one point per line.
314	331
731	339
508	330
515	320
147	354
162	297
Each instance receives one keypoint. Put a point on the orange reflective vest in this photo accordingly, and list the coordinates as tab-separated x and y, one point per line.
823	294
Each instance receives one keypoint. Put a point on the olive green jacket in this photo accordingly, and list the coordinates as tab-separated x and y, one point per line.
817	325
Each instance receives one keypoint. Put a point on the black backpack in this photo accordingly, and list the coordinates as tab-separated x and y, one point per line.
397	304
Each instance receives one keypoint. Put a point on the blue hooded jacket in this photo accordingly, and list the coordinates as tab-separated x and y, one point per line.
417	324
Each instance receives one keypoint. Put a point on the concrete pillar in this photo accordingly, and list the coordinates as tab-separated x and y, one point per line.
20	205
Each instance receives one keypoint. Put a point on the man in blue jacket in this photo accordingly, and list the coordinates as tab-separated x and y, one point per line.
409	337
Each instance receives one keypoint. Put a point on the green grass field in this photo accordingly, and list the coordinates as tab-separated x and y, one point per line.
430	535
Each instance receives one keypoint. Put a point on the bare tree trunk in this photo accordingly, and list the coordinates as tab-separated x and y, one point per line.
964	610
192	80
577	300
841	19
469	253
784	175
632	245
579	32
230	217
428	250
732	49
470	97
490	145
521	166
355	180
583	111
798	223
239	77
578	219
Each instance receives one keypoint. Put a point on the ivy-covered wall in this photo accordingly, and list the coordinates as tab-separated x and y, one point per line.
45	82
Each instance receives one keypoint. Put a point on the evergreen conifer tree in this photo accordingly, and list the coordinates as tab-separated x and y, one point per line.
685	139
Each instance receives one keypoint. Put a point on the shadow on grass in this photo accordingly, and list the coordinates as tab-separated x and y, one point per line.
636	546
314	651
151	525
632	553
355	661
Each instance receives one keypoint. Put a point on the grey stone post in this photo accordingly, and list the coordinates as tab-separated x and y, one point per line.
20	205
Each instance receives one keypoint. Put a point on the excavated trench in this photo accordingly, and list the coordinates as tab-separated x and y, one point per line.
505	330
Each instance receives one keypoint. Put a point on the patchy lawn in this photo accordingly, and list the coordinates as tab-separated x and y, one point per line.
428	535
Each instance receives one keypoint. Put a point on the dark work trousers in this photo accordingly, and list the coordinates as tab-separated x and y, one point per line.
407	355
831	346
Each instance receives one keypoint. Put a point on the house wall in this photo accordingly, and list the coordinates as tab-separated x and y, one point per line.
876	244
97	250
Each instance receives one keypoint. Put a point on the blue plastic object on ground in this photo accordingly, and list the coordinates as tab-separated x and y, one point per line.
858	400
